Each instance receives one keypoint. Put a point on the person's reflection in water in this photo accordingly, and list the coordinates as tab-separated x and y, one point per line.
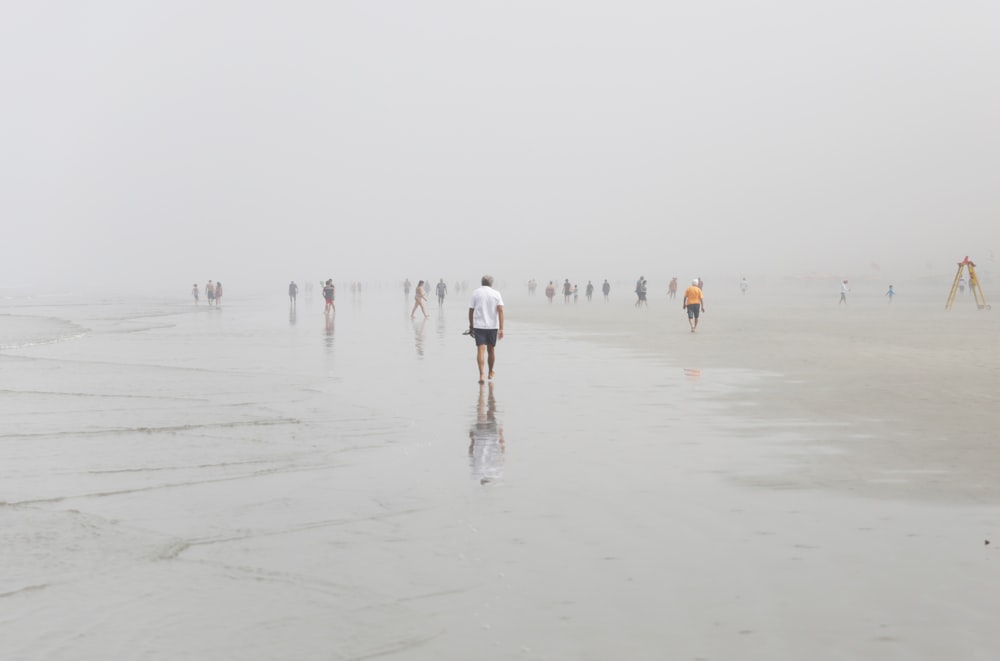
329	331
418	333
486	442
440	323
291	316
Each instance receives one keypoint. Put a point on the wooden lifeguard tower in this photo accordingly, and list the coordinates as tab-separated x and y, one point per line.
977	289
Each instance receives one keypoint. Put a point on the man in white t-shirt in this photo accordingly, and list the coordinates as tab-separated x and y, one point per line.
486	324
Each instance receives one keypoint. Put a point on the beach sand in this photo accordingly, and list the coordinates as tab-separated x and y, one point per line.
793	481
899	398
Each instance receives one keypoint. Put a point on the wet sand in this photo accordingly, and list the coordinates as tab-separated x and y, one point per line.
249	483
898	399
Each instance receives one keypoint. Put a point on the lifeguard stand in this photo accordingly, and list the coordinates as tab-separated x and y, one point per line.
977	289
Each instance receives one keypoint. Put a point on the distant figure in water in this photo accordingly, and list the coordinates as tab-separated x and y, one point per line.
532	286
218	294
406	287
567	290
744	285
210	292
442	289
329	295
550	291
694	303
576	293
590	290
843	292
486	441
194	292
672	288
961	285
606	288
701	284
293	291
486	324
890	293
418	300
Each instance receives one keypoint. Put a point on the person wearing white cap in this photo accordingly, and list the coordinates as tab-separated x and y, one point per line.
694	303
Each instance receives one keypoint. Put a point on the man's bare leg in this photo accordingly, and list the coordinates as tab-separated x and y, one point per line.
491	353
481	359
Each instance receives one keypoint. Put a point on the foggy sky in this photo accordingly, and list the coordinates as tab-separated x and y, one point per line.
172	142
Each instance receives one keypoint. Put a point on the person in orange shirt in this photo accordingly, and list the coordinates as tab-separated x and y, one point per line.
694	303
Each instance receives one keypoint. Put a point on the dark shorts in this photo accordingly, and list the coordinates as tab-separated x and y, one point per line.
694	309
487	336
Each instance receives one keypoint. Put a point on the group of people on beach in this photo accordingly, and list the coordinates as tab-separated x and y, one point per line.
420	295
329	294
569	290
213	293
642	287
845	289
693	302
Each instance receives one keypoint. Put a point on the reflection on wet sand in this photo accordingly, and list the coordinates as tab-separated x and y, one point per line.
292	317
329	331
440	322
486	440
418	332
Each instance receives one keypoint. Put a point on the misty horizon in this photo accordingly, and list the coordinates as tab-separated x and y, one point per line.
167	143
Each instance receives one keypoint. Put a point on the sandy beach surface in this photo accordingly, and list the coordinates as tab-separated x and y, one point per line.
796	480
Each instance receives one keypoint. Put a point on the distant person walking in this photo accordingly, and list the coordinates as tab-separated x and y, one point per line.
418	300
744	285
843	292
890	293
694	303
641	288
550	291
329	295
590	291
606	288
486	324
406	287
442	289
672	288
218	294
194	292
210	293
567	291
293	292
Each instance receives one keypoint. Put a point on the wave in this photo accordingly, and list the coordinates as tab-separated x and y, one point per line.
17	332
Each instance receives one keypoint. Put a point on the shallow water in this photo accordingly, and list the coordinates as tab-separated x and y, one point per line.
179	482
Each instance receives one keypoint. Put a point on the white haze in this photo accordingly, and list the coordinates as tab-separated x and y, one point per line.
163	143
